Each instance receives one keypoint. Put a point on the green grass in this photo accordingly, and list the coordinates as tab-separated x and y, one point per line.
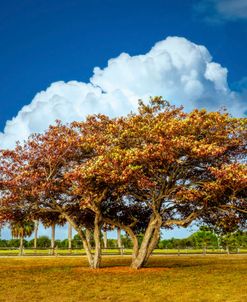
195	251
211	278
5	252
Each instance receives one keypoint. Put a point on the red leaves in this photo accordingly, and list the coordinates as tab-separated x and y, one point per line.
161	154
231	176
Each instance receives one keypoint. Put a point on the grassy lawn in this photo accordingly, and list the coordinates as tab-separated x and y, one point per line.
167	278
5	252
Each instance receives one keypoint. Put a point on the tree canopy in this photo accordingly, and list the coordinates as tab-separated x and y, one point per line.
158	168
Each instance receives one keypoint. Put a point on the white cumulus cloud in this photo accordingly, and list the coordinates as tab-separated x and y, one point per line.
177	69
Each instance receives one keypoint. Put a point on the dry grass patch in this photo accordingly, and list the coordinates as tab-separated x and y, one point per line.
167	278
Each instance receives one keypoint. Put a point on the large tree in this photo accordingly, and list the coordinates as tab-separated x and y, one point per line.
155	169
168	163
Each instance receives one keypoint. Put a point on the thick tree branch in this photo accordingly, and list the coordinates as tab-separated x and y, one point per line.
184	222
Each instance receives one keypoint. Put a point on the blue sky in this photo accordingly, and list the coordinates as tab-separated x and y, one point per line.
43	42
47	41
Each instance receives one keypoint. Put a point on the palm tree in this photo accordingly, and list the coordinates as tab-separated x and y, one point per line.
105	239
119	241
53	234
69	236
51	219
21	229
105	236
36	227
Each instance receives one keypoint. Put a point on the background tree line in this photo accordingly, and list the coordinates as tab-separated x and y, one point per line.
203	238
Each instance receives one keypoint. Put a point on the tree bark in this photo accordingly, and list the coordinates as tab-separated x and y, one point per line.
128	231
148	243
36	227
88	238
134	240
69	236
227	250
21	246
86	246
97	232
53	230
85	242
105	239
152	245
119	242
135	246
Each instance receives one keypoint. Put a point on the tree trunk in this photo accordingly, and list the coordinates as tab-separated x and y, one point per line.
153	243
128	231
134	239
53	230
227	250
21	246
119	242
69	237
36	227
88	238
135	247
97	232
86	246
105	239
148	243
85	242
139	261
